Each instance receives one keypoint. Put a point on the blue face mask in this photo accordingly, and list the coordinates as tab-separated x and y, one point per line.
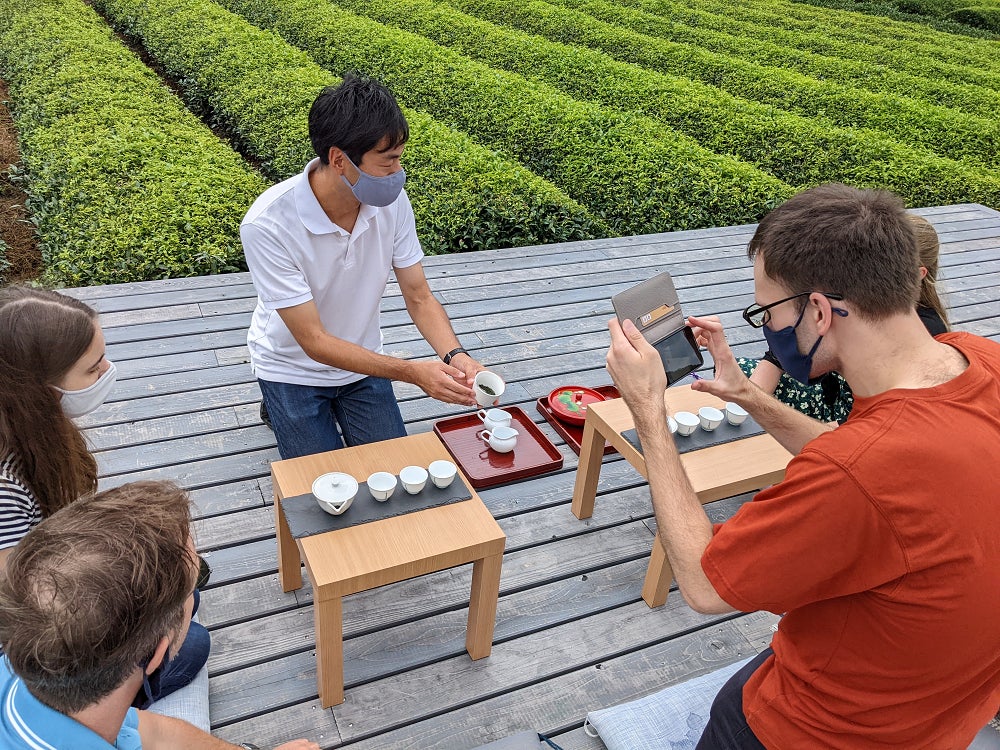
785	347
376	191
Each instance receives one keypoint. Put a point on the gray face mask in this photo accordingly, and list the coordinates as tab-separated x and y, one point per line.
86	400
376	191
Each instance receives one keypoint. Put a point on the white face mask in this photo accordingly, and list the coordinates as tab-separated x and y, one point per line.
84	401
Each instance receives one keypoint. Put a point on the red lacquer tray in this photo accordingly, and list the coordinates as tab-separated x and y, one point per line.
572	434
485	467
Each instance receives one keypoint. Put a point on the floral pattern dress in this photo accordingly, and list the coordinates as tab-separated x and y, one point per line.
828	400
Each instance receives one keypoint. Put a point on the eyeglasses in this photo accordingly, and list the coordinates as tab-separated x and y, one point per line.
760	316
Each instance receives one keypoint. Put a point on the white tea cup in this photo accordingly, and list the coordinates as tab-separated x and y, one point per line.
687	423
442	473
382	484
414	478
501	439
710	418
335	492
735	414
488	387
494	418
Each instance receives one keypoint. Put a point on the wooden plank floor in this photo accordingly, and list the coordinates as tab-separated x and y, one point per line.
572	632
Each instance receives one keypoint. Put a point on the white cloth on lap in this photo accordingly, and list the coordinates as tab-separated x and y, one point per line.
675	717
190	703
672	719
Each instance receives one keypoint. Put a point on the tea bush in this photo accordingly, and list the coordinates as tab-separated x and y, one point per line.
124	183
857	64
799	151
944	131
635	175
259	88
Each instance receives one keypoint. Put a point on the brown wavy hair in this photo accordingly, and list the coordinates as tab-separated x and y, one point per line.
929	249
91	590
42	335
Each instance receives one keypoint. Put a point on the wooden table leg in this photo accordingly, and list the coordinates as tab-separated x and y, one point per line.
658	577
588	471
289	559
483	605
329	651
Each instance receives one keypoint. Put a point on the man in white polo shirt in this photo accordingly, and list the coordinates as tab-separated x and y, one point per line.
320	247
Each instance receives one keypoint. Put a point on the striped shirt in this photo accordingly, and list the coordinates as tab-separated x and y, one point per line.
18	510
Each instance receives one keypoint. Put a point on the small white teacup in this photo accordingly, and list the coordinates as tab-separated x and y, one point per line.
382	484
335	492
502	439
735	414
488	387
414	478
687	422
710	418
494	418
442	473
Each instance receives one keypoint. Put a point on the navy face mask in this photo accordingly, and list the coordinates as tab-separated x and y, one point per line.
376	191
785	347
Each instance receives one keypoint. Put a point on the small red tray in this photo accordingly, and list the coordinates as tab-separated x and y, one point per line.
483	466
572	434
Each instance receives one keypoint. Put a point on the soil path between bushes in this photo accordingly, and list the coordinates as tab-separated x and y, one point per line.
17	231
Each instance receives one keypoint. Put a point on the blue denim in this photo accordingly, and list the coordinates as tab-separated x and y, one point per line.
181	669
727	727
306	418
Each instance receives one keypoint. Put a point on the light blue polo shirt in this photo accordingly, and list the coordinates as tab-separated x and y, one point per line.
28	724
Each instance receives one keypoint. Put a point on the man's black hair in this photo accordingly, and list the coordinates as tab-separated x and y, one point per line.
355	117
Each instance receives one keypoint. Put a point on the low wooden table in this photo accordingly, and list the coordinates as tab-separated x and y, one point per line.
393	549
716	472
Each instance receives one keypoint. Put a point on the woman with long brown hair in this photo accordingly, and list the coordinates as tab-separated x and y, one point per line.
53	368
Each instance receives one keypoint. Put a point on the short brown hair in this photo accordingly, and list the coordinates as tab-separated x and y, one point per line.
89	592
838	239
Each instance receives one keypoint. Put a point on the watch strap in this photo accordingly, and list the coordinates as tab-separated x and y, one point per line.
452	354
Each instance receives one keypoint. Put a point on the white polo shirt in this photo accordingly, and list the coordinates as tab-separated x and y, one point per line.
296	254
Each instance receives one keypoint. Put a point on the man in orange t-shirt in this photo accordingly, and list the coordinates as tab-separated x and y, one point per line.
882	544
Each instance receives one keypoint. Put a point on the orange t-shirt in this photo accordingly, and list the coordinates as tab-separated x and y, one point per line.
882	545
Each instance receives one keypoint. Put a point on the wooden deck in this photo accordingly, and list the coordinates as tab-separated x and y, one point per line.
572	633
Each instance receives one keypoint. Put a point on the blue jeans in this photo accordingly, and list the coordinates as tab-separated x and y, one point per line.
727	727
305	418
181	669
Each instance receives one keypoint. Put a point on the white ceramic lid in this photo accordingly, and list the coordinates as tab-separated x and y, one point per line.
335	487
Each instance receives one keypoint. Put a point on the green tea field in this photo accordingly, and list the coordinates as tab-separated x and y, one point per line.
146	129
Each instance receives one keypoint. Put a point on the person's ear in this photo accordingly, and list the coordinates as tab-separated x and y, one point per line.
821	310
159	655
336	158
923	272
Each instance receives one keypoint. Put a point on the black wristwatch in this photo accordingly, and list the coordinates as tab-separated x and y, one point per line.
452	354
248	746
